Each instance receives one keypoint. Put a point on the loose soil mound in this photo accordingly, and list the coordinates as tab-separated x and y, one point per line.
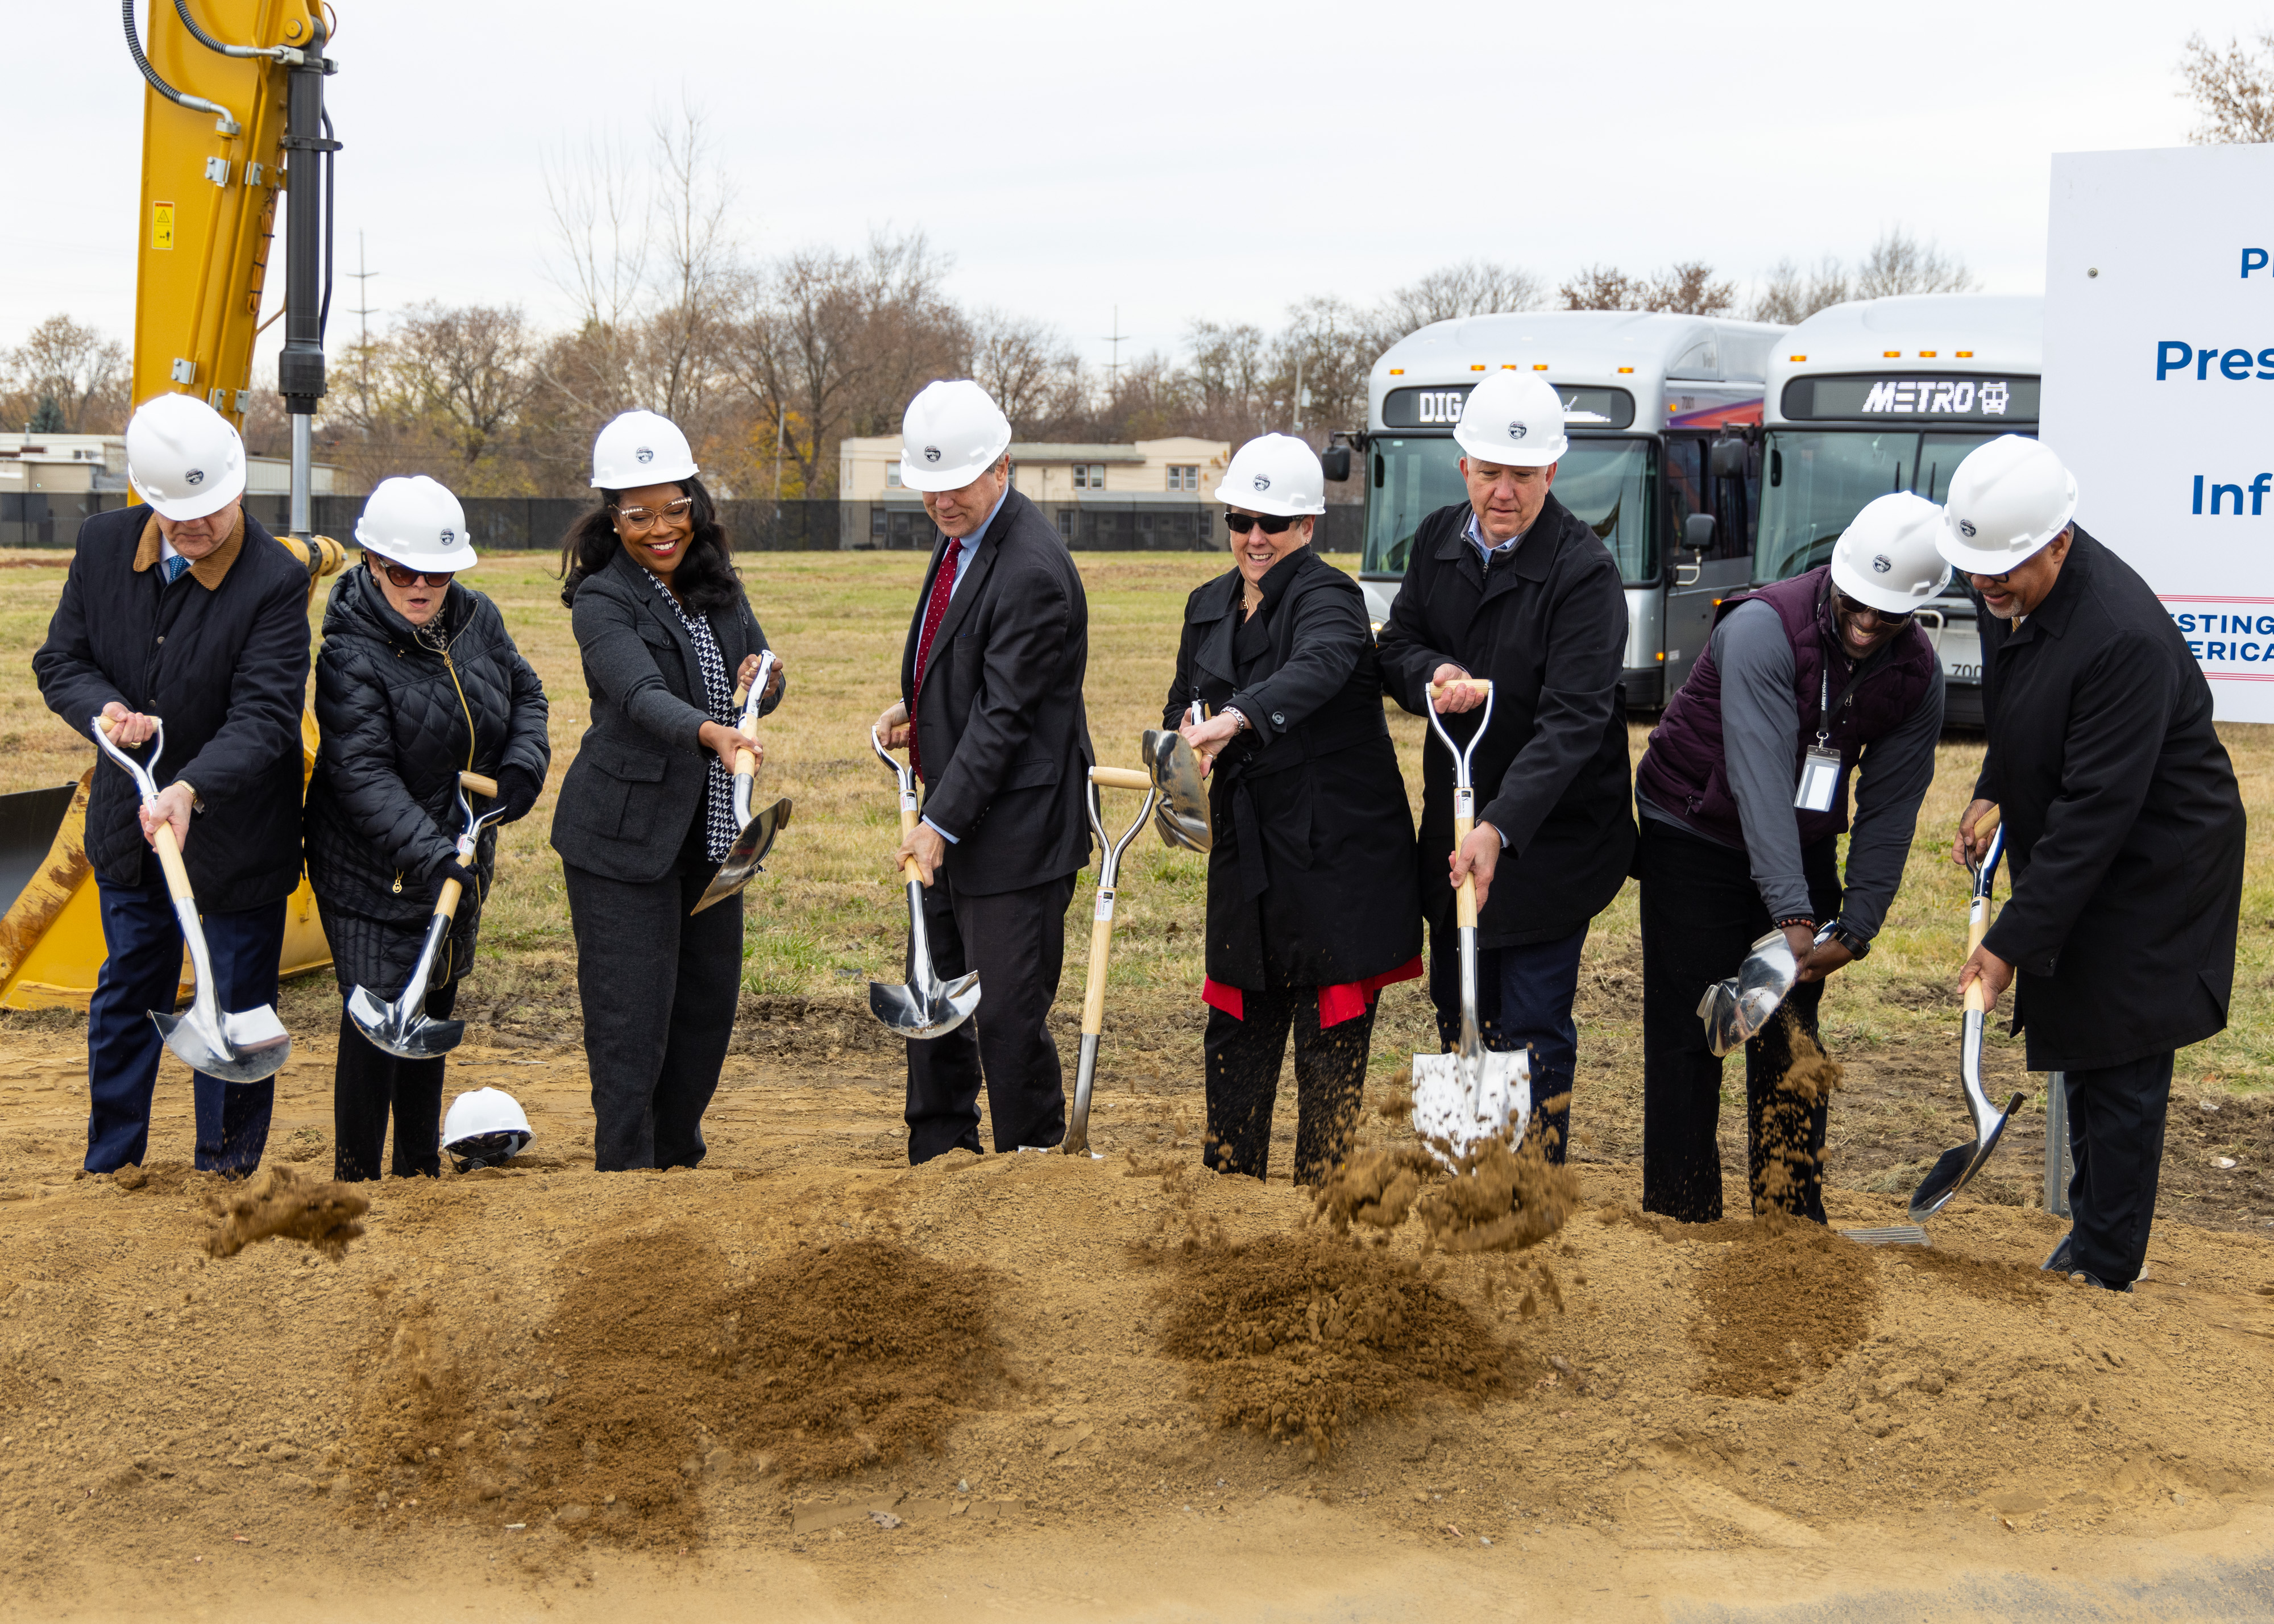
1300	1333
1782	1304
276	1201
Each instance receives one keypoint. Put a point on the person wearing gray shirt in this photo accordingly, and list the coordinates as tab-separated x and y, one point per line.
1744	795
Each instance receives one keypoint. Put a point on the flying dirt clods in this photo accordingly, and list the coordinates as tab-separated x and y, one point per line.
276	1201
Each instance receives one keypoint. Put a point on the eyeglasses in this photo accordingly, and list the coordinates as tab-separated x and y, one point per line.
1270	523
639	519
401	576
1885	617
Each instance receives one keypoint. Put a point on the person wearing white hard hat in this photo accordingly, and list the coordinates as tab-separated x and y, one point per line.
183	608
1312	904
2124	831
1744	794
418	681
1510	587
990	713
646	811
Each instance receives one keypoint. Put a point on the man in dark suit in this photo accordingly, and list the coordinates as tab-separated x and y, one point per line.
992	675
2124	826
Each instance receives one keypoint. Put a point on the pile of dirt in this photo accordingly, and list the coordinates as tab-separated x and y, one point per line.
1298	1333
1785	1302
277	1202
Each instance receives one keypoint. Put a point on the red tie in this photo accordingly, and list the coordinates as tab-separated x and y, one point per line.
942	588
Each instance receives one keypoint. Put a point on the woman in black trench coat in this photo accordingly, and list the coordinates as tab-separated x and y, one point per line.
1312	904
645	812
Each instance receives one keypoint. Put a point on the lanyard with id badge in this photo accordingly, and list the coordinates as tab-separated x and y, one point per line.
1819	764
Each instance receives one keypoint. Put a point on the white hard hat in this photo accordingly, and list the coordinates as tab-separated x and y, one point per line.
638	448
1515	420
1889	555
1275	474
416	522
184	457
484	1125
951	434
2007	499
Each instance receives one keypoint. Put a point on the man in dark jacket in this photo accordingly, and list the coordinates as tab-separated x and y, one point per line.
1744	795
184	609
992	675
1511	587
2125	827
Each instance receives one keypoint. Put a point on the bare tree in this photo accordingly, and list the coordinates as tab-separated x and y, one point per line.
599	261
462	374
1336	345
69	372
1472	288
1228	378
690	203
2233	90
1686	289
1790	295
1900	263
1027	366
1601	287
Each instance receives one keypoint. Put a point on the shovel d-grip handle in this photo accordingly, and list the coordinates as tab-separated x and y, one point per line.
168	850
485	787
1481	684
1120	778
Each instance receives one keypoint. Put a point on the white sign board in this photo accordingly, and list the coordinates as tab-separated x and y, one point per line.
2159	387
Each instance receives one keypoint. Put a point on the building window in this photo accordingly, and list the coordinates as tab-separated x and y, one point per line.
1184	476
1089	476
892	476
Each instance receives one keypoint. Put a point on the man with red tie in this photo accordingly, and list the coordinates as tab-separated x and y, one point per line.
992	676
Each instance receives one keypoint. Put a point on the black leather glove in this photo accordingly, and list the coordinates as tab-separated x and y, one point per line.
517	792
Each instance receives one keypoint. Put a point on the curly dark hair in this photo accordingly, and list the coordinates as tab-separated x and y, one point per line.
706	577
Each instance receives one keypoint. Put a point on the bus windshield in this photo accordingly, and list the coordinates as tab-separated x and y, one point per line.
1816	480
1607	482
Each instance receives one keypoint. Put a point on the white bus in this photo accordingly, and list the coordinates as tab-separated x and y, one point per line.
1889	395
1645	396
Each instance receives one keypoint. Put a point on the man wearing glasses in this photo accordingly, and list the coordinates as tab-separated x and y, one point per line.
183	608
1744	795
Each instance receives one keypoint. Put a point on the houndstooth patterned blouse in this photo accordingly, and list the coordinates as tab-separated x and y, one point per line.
719	830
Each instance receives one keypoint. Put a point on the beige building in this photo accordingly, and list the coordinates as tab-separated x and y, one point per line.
1184	470
75	464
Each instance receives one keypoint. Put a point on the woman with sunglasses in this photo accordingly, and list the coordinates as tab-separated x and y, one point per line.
417	680
1744	795
646	811
1313	903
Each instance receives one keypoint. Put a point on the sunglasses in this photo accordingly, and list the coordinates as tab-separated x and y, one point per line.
648	518
1886	617
401	576
1271	524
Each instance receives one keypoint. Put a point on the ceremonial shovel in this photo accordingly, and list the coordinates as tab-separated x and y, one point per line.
1181	806
403	1027
1076	1142
927	1007
1474	1094
748	855
242	1046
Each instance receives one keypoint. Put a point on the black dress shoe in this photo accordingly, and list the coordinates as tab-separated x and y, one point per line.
2058	1262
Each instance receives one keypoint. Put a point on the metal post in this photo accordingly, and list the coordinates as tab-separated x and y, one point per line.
300	369
2056	1160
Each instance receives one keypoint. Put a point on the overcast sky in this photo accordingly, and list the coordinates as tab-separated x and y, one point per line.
1177	159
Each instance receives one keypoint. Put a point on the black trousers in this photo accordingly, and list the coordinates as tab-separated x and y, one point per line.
1244	1053
2116	1116
368	1085
1700	913
1016	940
658	988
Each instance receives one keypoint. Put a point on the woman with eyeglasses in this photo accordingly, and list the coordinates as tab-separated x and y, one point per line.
646	811
1313	905
1744	795
418	681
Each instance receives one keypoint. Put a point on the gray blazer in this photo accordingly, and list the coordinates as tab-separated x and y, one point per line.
640	770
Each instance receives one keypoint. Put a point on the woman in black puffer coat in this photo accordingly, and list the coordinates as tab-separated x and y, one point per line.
417	681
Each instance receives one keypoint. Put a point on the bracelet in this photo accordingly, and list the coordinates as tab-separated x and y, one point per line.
1795	918
1240	722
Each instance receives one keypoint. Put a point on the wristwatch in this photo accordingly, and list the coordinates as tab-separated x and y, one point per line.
1858	947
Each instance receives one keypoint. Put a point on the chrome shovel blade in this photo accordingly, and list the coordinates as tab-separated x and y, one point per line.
914	1016
404	1032
1957	1166
1733	1010
1174	767
208	1050
1459	1102
746	857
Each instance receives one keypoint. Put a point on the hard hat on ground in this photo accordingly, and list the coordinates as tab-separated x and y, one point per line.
2007	499
1275	474
1515	420
1889	556
485	1126
951	433
184	457
638	448
417	523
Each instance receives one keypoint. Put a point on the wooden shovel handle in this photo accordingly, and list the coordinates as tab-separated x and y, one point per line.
908	827
746	763
1483	685
447	904
1120	778
484	787
1465	900
1987	823
1093	995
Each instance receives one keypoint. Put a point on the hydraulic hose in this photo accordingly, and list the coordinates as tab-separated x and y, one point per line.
227	124
275	53
331	199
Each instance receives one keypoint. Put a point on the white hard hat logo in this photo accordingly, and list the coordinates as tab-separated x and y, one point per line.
196	476
449	536
1262	482
1517	431
1883	563
931	453
645	454
1966	527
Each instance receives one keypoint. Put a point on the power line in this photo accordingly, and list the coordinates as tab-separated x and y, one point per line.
1114	338
363	315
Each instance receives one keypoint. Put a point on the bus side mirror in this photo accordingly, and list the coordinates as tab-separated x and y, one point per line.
1335	462
1698	533
1729	459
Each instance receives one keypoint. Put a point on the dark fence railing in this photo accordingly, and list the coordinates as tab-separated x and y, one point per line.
524	523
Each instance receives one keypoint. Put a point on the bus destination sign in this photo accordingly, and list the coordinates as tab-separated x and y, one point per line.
1440	408
1977	398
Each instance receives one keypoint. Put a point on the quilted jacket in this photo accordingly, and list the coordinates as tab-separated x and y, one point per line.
400	720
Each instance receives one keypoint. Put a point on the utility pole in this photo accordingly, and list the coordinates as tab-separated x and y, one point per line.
1113	368
362	314
1298	392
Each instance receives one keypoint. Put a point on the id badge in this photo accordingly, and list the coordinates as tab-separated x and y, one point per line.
1820	780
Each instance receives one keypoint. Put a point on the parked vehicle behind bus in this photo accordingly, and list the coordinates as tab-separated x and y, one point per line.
1890	394
1645	396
